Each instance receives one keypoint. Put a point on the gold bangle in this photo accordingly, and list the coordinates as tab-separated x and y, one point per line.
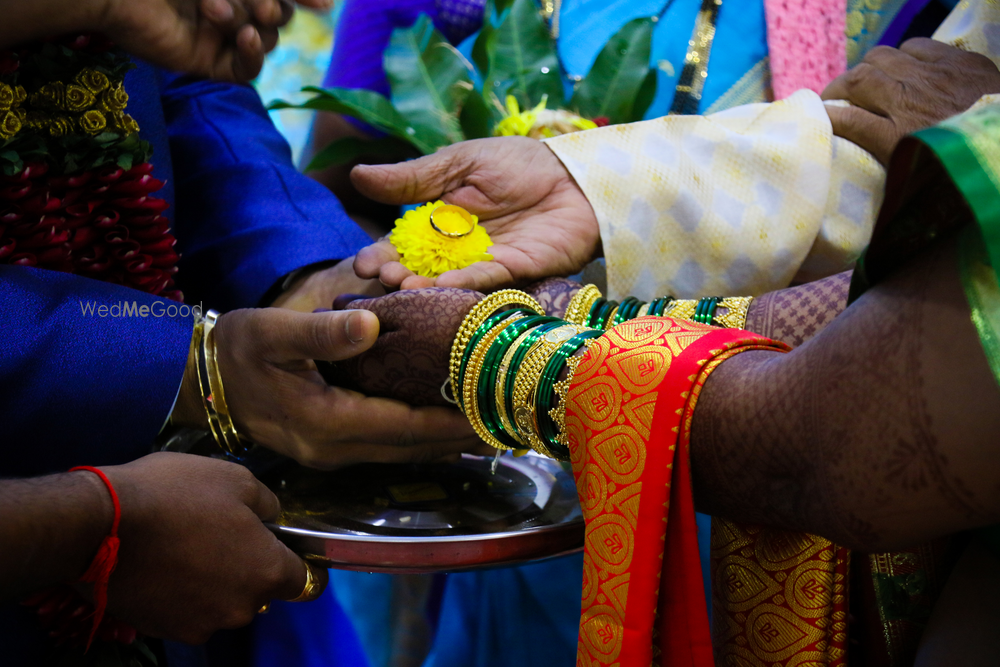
479	314
230	439
736	315
501	388
204	327
470	393
610	324
526	383
578	309
561	389
681	309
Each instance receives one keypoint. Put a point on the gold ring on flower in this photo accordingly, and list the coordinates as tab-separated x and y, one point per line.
312	589
452	221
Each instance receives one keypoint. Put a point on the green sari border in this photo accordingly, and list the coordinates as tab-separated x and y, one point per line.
972	178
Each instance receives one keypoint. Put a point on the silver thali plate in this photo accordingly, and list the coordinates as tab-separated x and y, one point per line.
408	518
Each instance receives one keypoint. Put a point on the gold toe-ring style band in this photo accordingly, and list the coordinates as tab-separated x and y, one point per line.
312	589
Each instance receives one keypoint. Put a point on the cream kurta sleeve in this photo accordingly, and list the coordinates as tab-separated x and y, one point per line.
743	201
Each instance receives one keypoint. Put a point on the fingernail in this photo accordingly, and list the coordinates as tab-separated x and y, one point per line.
223	10
354	328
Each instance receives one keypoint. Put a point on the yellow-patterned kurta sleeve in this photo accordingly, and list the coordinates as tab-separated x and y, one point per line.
743	201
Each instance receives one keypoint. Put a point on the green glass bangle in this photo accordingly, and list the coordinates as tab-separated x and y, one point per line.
594	309
704	311
633	312
491	368
515	362
624	309
602	317
546	398
481	331
659	306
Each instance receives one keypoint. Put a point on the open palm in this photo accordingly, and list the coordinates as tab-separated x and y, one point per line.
540	221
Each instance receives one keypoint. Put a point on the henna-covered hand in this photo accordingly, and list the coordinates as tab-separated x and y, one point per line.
554	294
409	361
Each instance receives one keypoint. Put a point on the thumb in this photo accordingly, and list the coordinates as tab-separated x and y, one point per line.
330	336
415	181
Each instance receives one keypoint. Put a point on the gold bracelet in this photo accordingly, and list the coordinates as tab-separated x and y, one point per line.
226	434
479	314
610	324
470	393
526	383
736	316
578	309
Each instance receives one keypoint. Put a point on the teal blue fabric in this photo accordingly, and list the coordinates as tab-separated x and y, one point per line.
585	26
740	40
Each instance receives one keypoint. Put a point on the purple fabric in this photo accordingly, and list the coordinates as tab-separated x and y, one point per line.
365	28
894	33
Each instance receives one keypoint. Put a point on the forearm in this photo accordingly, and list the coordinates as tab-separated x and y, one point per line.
878	433
28	21
50	528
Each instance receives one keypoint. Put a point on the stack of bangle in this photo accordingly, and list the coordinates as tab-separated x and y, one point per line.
508	357
213	396
506	360
604	314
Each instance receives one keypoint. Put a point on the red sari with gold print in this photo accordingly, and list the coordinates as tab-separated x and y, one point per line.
628	419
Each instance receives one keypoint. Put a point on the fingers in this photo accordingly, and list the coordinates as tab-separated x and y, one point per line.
873	133
926	49
481	276
369	261
262	501
332	336
300	580
865	86
415	181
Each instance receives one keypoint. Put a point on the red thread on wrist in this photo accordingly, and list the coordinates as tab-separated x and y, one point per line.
106	559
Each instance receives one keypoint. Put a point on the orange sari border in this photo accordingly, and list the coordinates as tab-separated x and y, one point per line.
629	405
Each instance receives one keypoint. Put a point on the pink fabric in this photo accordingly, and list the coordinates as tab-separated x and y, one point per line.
806	42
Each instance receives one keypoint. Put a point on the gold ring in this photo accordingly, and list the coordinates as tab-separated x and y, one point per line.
457	213
266	608
312	589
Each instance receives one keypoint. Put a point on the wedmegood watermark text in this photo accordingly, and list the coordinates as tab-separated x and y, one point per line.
135	309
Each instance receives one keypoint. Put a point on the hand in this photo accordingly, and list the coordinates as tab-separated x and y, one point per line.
540	221
554	294
221	39
409	361
318	289
897	92
278	399
195	556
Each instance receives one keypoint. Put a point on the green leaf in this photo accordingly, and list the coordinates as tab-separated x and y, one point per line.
429	80
644	98
125	161
365	105
523	60
351	148
481	47
618	74
476	117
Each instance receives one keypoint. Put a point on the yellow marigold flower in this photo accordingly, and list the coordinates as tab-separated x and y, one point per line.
93	122
430	253
10	125
7	97
92	80
539	123
78	98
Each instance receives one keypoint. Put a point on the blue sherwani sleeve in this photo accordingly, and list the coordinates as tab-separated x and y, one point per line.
245	216
78	387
